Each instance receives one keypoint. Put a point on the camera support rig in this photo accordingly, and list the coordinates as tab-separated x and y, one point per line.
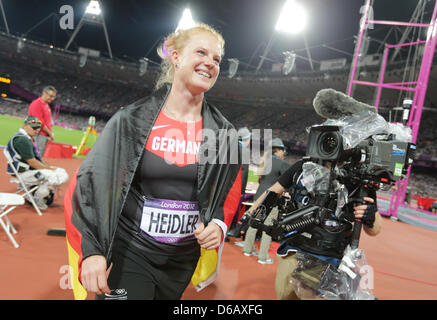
295	221
291	223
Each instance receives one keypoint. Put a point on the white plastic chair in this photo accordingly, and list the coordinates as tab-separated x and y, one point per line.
8	202
17	179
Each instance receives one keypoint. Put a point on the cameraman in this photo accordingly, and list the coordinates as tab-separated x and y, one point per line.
325	243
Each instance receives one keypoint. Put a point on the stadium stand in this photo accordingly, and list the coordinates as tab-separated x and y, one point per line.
264	101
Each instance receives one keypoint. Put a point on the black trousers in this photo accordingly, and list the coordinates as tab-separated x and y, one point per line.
147	276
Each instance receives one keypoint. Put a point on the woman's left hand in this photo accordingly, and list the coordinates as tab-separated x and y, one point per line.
209	237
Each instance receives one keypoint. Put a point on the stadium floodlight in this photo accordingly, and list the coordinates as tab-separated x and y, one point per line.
233	67
94	16
293	18
186	21
93	8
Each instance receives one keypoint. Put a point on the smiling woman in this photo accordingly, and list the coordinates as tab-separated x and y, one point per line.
160	209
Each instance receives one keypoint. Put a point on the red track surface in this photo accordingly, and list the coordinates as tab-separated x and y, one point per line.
404	259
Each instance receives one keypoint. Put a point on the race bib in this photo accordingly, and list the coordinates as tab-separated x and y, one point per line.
170	221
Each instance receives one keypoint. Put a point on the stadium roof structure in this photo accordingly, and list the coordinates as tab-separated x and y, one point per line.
93	15
137	27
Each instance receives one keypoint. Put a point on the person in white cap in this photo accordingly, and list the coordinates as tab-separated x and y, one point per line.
271	168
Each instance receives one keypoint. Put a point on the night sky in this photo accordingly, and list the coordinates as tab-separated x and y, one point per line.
135	26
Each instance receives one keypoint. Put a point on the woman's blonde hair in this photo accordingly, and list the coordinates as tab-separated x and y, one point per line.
177	41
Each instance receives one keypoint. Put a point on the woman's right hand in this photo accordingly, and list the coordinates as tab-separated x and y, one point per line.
94	275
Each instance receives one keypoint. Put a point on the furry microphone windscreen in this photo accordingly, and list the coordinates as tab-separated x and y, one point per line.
332	104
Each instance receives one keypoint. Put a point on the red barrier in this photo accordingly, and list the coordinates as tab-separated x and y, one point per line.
424	203
58	150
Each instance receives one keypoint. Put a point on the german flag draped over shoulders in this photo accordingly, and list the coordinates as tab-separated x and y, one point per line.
97	192
74	242
208	265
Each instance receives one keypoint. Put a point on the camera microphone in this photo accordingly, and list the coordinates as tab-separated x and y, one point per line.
332	104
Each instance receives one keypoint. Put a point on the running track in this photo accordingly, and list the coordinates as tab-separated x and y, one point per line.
404	259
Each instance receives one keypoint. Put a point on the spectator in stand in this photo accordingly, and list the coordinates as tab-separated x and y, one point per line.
40	109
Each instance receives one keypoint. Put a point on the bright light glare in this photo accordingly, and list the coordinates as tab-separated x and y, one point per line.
93	8
186	21
293	18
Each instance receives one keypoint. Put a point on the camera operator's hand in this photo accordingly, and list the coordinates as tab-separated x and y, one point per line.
366	212
243	223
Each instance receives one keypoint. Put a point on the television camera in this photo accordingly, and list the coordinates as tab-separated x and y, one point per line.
361	160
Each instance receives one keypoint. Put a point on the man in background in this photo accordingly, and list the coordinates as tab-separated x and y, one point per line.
40	109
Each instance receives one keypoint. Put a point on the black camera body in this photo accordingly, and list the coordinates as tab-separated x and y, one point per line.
370	164
385	159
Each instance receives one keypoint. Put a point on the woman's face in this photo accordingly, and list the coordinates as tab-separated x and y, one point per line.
198	64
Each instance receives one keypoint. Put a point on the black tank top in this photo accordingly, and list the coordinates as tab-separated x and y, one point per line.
167	170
